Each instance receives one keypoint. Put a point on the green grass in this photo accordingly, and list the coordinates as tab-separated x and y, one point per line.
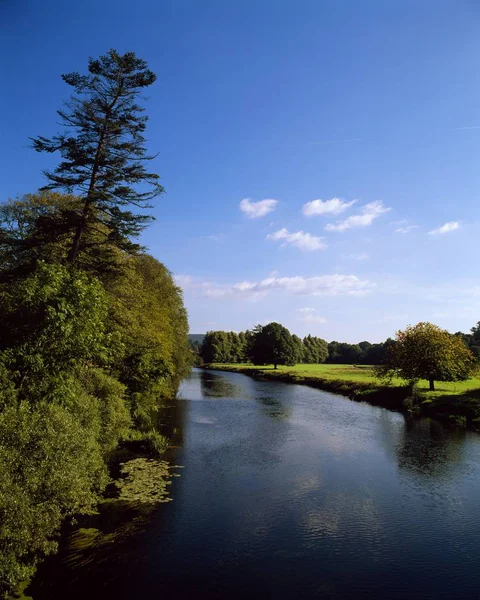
457	402
357	374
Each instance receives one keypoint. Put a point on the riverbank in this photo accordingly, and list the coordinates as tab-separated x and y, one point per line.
141	471
457	403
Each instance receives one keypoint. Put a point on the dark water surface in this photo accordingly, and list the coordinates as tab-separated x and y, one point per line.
291	492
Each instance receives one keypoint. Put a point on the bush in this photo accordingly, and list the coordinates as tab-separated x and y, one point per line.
50	467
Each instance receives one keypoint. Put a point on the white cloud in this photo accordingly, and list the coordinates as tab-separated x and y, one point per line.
335	206
406	229
255	210
299	239
307	316
450	226
358	256
369	212
314	319
184	281
321	285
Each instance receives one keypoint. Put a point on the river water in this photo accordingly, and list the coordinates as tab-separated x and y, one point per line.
291	492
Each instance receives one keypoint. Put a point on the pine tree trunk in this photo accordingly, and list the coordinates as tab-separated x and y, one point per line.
274	366
73	253
432	385
75	247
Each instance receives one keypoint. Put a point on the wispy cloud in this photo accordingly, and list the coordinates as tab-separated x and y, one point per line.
215	237
300	239
358	256
307	316
406	229
450	226
255	210
320	142
468	127
369	212
335	206
321	285
316	319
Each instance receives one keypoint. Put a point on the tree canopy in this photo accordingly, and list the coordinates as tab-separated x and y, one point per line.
425	351
103	151
93	330
272	344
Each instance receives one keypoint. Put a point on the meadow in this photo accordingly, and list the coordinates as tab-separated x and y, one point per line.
457	402
356	374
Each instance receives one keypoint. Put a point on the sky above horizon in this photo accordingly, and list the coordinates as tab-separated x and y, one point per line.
320	158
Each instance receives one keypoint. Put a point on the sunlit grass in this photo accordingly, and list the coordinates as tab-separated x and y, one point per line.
361	374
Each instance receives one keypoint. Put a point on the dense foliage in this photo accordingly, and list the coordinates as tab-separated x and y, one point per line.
425	351
224	346
273	344
472	339
103	150
88	347
230	347
362	353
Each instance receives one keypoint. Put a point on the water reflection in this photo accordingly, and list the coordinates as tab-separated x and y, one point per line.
306	495
273	408
217	386
428	448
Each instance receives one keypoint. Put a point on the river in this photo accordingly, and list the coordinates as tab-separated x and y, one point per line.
290	492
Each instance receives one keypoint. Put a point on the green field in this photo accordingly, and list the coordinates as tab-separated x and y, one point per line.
362	374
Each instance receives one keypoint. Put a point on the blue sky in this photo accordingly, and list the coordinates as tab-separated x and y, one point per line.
372	108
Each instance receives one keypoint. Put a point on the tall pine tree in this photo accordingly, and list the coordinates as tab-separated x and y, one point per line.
103	151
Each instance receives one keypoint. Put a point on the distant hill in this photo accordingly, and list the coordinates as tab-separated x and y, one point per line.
196	337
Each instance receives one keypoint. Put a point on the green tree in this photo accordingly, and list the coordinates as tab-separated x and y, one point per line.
148	315
39	227
273	344
103	150
300	348
52	323
425	351
315	350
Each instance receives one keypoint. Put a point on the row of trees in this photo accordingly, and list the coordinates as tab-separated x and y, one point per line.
93	331
421	352
231	347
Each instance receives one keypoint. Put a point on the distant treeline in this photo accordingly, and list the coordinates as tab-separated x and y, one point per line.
232	347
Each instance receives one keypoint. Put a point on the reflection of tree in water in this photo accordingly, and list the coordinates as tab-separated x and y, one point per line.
171	421
274	408
428	448
217	386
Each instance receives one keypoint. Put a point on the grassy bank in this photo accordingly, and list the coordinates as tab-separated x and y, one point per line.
455	402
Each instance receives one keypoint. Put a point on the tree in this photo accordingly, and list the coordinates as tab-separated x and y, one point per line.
103	150
273	344
300	348
315	350
425	351
39	227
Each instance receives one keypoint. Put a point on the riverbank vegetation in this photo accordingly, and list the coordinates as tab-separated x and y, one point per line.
402	377
232	347
93	330
457	402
